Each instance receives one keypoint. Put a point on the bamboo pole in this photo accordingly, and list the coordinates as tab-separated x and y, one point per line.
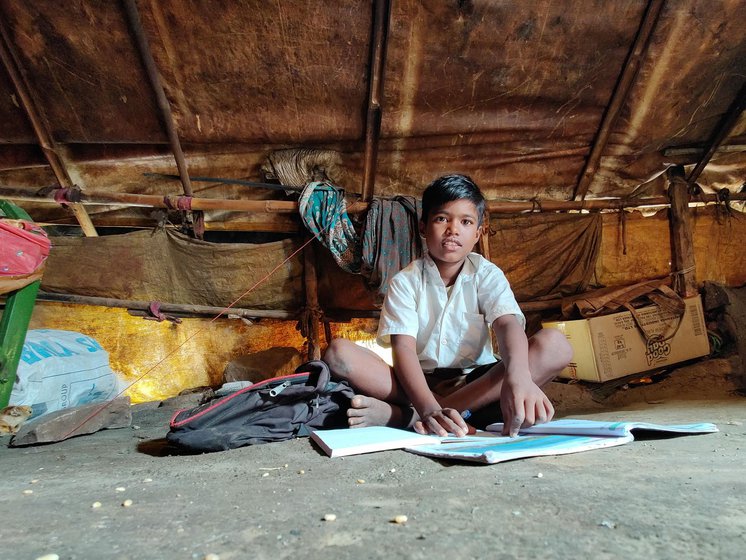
375	93
41	129
147	223
171	308
631	66
291	207
721	132
164	108
159	201
179	310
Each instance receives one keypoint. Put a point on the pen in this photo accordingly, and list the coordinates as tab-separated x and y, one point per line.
466	414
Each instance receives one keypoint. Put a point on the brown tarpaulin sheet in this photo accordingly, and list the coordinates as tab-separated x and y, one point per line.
170	267
546	254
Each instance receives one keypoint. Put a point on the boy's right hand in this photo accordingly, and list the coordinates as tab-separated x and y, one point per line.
523	405
441	422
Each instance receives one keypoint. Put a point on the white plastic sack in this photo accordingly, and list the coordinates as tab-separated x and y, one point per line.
62	369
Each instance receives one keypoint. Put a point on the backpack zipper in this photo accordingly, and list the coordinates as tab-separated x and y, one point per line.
279	389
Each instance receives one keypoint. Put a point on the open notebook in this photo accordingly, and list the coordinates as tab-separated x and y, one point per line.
553	438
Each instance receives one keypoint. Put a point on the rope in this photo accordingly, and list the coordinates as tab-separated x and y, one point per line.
157	315
684	271
308	316
182	203
724	204
62	195
197	218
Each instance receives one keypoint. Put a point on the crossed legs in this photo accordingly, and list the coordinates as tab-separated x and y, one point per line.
382	402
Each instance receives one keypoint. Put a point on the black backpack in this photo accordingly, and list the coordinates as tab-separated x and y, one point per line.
272	410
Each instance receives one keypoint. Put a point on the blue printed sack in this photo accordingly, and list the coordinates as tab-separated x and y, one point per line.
62	369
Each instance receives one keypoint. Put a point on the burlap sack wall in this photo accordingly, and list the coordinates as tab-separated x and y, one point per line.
170	267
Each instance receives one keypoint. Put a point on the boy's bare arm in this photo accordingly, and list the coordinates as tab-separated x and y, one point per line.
433	418
522	402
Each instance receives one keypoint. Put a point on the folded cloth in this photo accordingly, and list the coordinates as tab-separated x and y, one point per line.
391	239
324	212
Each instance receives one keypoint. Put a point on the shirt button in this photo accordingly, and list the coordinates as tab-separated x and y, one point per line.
444	342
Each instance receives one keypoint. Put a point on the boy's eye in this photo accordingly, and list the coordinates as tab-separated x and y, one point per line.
467	222
439	219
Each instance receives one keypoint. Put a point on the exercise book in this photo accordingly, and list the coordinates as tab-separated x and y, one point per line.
354	441
558	437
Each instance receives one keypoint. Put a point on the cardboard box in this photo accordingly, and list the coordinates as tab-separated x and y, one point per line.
612	346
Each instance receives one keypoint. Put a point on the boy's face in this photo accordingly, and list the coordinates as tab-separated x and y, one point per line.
451	231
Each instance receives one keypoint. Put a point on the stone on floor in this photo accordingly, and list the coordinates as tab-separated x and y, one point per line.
70	422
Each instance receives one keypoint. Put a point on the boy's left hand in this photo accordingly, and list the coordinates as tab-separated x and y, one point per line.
523	404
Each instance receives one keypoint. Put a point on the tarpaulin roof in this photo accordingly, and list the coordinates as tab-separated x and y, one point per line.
532	98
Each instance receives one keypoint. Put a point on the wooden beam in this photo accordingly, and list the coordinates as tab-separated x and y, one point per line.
618	97
484	239
721	132
12	65
313	312
159	201
327	331
381	16
164	107
682	246
171	308
149	223
178	310
291	207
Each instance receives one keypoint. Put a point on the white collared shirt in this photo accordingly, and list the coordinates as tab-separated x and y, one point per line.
451	331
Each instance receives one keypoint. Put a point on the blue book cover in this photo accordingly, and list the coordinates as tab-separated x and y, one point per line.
558	437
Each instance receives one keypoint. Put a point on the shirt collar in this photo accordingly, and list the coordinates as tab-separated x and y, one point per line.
469	269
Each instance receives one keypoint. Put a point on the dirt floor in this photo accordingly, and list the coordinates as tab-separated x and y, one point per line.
675	498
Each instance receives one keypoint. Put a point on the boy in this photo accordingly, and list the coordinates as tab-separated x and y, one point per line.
436	317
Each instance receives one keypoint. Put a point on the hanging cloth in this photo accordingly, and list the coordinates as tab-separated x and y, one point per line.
391	239
324	212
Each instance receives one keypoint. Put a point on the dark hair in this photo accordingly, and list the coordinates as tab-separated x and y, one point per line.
449	188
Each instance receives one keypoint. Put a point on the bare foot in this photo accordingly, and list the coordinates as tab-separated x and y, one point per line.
367	411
